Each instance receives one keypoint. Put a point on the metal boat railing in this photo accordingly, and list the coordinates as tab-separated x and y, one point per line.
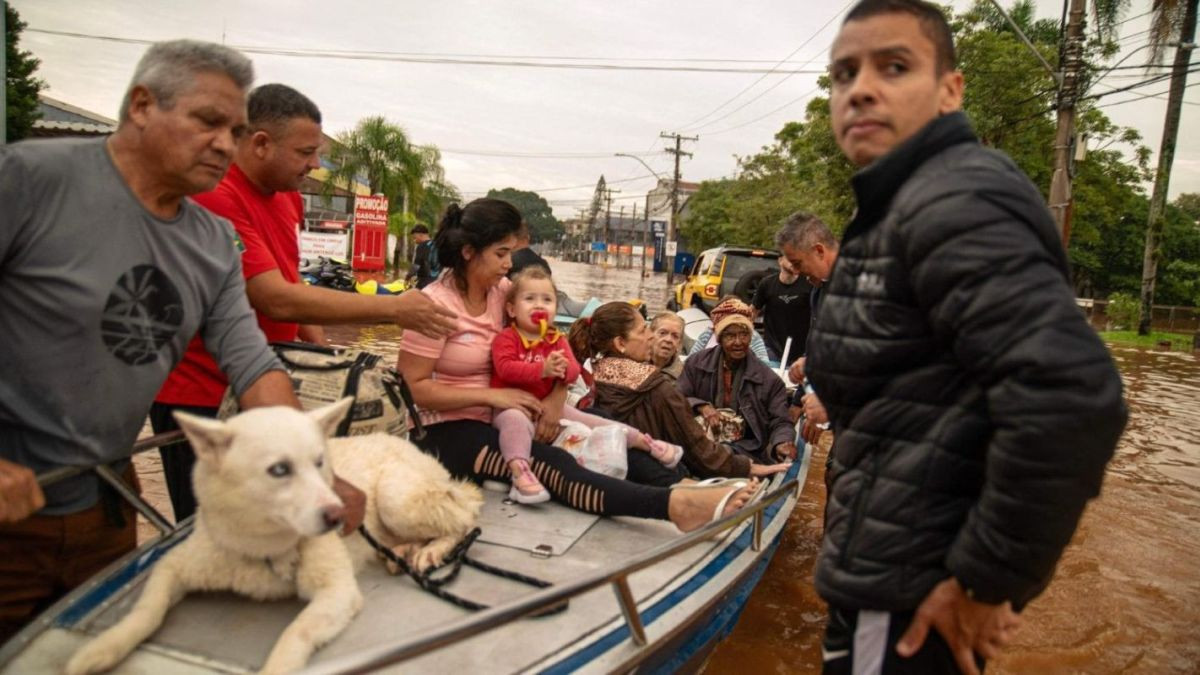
436	638
372	659
111	477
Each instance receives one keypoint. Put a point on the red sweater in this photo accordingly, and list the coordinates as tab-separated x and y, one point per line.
517	363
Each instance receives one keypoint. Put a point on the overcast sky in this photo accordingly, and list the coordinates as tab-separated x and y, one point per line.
471	109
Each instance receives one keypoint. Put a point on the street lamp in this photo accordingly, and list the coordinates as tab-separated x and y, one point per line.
670	264
656	174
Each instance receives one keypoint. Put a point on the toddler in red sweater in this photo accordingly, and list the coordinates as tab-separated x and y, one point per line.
532	355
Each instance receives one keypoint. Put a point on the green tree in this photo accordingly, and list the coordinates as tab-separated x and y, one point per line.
543	226
20	86
1010	100
1189	204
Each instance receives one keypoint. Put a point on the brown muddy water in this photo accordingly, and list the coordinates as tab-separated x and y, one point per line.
1126	596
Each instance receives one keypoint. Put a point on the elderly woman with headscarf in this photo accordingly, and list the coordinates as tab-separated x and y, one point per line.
617	340
727	376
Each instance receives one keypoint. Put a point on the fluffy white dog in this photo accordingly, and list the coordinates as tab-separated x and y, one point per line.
267	519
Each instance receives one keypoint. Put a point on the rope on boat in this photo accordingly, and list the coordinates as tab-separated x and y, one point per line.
455	559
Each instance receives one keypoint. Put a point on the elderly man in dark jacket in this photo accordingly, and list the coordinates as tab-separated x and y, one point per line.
729	376
974	408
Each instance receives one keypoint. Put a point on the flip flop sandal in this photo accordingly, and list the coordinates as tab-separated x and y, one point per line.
709	483
755	497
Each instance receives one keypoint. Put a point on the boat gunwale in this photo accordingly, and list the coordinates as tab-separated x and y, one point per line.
438	637
433	638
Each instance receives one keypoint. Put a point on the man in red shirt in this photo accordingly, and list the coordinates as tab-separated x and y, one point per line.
259	196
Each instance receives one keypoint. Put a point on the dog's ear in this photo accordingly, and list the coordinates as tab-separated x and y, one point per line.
330	416
209	438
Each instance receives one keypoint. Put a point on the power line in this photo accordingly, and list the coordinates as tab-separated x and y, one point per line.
692	125
1152	80
539	155
573	187
794	101
437	60
1158	96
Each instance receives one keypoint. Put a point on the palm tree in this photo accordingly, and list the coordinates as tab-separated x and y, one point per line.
1171	18
381	153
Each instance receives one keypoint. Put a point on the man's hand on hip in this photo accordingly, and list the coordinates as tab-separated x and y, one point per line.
967	626
414	310
20	495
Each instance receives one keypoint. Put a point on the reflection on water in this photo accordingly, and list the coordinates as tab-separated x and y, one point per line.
582	281
1126	596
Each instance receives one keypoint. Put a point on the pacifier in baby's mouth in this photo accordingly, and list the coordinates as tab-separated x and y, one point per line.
543	320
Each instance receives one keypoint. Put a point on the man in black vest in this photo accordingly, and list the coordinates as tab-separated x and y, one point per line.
973	407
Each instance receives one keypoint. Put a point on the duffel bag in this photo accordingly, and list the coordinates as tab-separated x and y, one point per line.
322	375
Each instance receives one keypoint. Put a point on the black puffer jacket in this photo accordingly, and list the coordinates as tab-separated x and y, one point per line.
974	408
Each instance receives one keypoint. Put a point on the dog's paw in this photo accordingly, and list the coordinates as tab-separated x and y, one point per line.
94	657
404	552
430	555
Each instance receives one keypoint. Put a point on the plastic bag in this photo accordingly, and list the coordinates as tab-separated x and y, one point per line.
601	450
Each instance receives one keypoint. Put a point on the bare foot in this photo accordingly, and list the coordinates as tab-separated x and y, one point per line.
693	509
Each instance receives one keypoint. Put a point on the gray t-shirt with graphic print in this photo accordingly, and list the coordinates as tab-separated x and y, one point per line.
98	300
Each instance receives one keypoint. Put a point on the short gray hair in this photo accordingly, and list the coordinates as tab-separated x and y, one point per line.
804	230
168	68
666	316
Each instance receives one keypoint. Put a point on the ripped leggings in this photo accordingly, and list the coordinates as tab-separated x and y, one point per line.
471	449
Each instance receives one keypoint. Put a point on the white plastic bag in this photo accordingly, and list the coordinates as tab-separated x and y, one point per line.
601	449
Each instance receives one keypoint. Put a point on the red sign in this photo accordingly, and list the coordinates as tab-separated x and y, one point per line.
333	225
371	211
370	232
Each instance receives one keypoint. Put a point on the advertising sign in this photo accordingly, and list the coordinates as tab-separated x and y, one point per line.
327	244
370	232
658	227
371	211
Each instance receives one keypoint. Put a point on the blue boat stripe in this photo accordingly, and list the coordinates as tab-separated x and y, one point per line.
620	634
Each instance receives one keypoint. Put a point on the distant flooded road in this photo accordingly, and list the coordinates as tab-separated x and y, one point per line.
1127	594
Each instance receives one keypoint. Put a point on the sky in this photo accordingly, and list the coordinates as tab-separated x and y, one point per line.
551	130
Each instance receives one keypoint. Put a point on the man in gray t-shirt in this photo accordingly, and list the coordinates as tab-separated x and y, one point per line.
107	272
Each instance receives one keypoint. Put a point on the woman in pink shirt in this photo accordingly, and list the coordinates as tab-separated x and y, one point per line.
449	380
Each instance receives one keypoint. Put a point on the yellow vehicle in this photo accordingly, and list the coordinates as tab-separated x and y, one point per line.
721	271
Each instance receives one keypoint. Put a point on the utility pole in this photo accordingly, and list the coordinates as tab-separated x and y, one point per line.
1061	201
1166	157
608	193
671	224
645	235
4	69
620	226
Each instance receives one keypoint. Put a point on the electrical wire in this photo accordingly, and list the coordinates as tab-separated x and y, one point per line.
539	155
802	97
692	126
397	57
572	187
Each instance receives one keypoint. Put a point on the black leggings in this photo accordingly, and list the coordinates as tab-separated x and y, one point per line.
177	458
471	449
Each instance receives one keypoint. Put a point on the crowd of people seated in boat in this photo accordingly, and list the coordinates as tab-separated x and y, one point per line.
492	394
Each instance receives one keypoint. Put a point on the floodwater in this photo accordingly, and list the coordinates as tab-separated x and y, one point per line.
1126	596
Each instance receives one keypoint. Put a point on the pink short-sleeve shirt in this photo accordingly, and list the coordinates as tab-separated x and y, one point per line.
464	359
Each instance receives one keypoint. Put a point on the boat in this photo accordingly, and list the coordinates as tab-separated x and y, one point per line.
638	595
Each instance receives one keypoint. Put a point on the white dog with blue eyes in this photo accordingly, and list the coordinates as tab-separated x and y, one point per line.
267	520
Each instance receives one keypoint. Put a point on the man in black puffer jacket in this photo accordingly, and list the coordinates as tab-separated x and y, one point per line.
974	409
